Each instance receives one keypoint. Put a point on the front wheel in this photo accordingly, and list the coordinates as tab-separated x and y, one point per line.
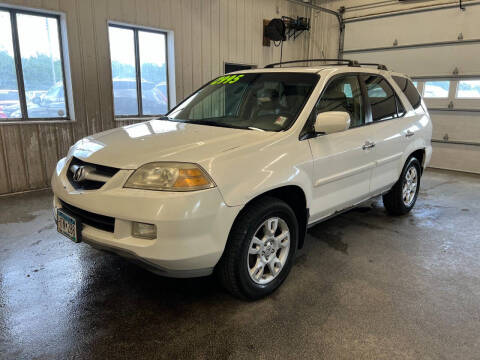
402	197
260	249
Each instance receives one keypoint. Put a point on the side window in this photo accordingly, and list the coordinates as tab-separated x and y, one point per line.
410	91
381	97
344	94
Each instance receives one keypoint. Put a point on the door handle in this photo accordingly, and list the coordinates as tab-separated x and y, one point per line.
409	133
368	145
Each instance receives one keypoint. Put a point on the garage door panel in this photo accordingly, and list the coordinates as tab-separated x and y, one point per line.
428	47
460	126
456	157
414	28
426	61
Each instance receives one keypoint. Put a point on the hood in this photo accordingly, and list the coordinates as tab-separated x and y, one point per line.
131	146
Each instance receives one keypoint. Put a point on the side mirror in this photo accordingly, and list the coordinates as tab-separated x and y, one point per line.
331	122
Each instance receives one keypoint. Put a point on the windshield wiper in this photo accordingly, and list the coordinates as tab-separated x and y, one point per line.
211	123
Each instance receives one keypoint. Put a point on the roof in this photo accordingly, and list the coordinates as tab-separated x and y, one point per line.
340	65
317	69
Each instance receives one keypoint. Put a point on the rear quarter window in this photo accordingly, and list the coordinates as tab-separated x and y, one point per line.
409	90
382	98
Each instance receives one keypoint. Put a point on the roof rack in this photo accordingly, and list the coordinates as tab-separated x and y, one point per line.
379	66
338	62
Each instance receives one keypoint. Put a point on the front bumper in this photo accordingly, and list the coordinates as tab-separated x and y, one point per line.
192	227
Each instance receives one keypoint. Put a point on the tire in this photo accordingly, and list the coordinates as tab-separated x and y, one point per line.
395	200
239	270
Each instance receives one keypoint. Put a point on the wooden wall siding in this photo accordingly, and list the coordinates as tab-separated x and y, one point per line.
207	33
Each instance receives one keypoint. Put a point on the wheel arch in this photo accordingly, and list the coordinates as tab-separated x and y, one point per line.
420	155
295	197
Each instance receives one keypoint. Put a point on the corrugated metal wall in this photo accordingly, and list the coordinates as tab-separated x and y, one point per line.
207	33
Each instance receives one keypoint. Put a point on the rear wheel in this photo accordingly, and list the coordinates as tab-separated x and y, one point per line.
260	249
402	197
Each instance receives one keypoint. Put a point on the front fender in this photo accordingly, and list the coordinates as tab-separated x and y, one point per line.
243	176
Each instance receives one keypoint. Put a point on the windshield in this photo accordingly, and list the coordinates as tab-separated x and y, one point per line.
262	101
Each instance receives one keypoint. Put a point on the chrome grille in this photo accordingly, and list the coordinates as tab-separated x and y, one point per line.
93	177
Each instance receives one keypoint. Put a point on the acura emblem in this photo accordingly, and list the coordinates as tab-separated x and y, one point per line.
79	174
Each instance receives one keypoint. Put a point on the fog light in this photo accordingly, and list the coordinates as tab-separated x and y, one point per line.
144	231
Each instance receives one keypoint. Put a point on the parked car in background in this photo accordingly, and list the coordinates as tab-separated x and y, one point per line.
41	104
230	179
8	100
2	114
154	97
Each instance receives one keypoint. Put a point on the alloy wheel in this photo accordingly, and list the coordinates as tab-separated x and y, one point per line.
268	250
410	183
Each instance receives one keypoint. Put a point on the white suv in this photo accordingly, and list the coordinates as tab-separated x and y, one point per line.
231	178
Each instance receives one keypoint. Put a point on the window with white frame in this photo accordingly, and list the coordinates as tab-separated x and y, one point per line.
139	71
456	93
468	89
436	89
32	71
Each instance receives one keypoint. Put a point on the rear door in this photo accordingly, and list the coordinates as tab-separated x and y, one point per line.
387	126
341	161
414	121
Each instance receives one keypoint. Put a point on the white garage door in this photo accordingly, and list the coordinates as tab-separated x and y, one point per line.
440	49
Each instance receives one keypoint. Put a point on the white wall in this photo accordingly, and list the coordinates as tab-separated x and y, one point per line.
370	32
362	8
324	35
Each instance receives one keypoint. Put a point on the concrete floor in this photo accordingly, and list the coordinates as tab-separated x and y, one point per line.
366	285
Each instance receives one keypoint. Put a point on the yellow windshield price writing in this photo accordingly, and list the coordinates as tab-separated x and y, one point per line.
227	79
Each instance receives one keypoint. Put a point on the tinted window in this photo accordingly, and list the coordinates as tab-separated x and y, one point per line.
344	94
409	90
381	97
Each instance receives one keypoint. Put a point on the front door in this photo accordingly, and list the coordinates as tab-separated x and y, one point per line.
343	161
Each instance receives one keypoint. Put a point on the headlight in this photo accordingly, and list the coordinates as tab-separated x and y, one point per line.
170	177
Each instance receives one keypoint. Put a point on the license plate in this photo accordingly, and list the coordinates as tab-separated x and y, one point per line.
69	226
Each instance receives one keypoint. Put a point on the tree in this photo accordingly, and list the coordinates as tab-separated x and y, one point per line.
150	72
38	73
124	71
154	73
8	77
